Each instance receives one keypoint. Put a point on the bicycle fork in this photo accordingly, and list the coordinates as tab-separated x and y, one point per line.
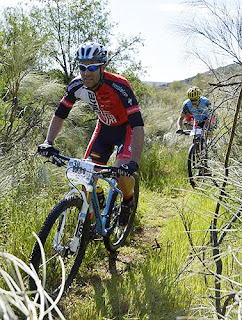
73	243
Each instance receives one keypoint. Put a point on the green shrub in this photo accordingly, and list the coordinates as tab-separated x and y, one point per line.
163	169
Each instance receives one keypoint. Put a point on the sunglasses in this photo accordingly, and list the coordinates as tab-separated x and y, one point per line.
90	67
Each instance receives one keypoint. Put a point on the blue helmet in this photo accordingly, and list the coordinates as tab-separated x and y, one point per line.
92	51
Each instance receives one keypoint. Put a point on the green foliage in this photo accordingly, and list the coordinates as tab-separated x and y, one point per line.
77	21
142	91
162	169
19	50
158	274
37	96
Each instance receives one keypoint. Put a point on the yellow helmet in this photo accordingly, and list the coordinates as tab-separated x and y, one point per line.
194	93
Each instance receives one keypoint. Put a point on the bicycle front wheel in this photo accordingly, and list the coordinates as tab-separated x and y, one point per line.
72	261
118	234
197	165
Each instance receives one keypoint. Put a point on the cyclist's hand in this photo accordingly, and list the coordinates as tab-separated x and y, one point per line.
179	131
47	150
128	168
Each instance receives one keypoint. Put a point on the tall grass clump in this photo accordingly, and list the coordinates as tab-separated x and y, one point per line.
163	169
16	301
30	190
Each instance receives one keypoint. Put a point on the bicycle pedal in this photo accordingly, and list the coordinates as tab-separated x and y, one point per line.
97	237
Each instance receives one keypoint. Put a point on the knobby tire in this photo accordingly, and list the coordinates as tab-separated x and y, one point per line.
70	203
118	235
190	163
197	180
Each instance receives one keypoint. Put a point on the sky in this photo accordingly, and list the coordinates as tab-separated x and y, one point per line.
164	54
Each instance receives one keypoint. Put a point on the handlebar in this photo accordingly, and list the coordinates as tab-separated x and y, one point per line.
185	132
195	132
103	170
57	159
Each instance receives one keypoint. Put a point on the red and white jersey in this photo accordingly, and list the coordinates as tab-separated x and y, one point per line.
114	101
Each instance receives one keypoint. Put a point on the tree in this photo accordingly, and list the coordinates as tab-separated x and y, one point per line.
67	23
217	37
20	45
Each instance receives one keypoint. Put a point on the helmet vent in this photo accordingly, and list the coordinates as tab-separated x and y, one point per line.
88	51
95	52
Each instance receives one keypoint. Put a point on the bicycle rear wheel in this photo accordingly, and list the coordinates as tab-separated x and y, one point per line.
72	261
118	234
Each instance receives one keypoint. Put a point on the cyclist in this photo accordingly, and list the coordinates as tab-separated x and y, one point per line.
196	109
119	120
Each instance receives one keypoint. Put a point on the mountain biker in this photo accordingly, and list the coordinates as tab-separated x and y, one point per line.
119	120
196	109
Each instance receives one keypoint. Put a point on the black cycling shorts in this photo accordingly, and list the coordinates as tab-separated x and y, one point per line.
104	140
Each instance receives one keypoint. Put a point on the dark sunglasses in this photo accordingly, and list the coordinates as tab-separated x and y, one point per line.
90	67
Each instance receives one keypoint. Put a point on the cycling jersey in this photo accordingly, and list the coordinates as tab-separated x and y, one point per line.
117	110
201	112
114	101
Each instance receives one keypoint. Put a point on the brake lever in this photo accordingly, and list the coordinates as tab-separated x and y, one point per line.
57	161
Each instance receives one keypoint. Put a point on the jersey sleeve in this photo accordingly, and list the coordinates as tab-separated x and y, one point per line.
133	112
130	103
68	100
136	120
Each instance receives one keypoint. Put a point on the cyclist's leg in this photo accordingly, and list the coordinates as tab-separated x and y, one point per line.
188	121
99	149
126	184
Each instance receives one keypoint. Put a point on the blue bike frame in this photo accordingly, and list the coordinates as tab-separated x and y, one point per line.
101	220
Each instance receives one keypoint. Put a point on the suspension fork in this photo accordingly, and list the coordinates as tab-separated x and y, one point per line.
74	242
86	197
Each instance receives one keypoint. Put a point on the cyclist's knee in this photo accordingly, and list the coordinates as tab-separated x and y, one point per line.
126	184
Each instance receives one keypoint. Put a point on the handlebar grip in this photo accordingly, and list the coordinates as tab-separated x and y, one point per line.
109	171
179	131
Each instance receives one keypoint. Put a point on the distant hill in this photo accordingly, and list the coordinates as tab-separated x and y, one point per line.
166	84
226	70
156	84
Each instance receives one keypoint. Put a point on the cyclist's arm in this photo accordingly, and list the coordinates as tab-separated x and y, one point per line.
137	143
55	127
180	121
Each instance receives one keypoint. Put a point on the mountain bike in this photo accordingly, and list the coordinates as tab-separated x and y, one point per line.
77	219
199	156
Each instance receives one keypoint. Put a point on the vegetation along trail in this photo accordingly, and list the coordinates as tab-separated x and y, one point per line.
183	258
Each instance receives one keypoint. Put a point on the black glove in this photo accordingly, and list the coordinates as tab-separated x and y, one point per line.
179	131
46	149
128	168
